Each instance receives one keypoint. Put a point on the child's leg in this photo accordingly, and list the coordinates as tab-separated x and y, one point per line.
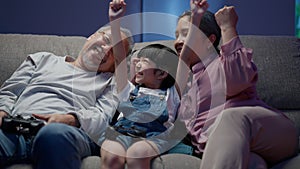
140	154
112	155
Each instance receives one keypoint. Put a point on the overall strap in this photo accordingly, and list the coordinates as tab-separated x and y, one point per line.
133	94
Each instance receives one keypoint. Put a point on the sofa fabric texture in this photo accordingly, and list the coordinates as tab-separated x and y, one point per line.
277	59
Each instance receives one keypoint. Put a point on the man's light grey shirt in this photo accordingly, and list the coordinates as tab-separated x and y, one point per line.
45	84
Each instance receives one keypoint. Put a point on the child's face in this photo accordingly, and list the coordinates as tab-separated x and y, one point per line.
145	73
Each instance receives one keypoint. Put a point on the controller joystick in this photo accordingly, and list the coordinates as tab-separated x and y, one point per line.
22	124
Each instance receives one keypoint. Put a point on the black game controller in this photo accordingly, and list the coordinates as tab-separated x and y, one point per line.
22	124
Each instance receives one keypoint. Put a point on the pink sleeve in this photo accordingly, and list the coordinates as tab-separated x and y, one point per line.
240	71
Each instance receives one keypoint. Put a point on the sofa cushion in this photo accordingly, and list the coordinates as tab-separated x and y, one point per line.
277	59
171	161
15	47
292	163
19	166
91	162
278	62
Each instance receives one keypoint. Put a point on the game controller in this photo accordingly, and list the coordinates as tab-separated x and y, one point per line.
22	124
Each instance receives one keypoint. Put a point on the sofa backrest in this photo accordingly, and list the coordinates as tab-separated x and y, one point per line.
15	47
277	59
278	62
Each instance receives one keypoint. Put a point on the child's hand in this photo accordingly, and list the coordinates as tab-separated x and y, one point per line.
227	18
117	9
198	8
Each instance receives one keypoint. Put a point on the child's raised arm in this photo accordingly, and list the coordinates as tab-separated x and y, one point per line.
117	9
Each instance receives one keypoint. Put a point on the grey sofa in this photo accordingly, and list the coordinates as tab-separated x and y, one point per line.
277	58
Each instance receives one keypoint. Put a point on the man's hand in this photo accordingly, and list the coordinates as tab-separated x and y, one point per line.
117	9
58	118
2	114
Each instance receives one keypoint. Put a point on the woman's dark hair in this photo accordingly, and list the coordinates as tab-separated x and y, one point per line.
165	59
208	26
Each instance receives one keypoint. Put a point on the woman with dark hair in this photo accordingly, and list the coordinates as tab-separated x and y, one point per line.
229	126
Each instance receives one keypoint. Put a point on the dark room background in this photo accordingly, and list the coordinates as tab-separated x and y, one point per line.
149	19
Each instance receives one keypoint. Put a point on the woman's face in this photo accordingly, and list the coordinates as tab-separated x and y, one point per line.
203	43
181	32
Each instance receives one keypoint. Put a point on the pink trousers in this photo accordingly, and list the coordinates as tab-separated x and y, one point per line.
249	138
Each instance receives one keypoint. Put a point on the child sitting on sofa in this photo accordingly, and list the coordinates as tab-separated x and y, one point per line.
149	108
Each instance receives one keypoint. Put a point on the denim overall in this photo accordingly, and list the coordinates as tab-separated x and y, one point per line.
145	113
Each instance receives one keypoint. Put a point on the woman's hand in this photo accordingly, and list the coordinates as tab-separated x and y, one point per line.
117	9
227	19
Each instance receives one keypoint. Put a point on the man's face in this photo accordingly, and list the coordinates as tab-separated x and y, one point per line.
96	53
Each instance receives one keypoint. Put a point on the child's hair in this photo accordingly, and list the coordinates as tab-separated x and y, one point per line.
165	59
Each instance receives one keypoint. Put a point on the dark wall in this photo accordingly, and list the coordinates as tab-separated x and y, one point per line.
83	17
265	17
58	17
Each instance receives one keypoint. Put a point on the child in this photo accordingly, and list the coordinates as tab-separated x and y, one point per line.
148	109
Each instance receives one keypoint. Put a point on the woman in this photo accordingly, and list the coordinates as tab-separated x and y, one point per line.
231	127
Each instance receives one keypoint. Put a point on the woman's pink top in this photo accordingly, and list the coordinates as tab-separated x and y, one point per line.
219	82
